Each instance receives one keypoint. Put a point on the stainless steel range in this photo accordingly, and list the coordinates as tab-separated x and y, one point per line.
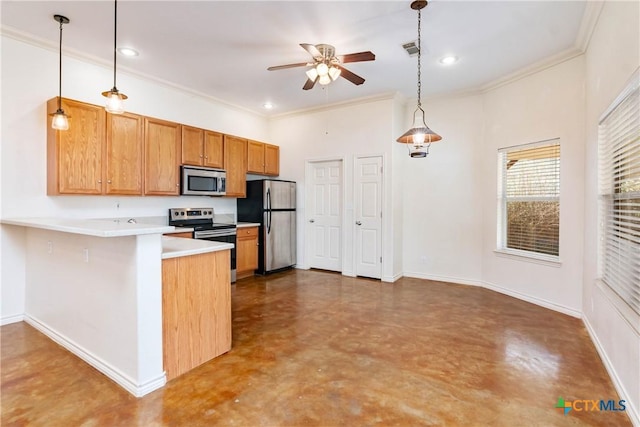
201	220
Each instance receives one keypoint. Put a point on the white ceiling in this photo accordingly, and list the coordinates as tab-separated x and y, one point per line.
223	48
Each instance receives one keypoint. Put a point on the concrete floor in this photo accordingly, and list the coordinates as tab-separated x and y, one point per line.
317	348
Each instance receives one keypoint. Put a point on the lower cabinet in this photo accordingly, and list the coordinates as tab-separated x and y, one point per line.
247	251
196	310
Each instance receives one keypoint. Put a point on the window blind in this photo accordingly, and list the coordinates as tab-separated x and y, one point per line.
529	192
619	182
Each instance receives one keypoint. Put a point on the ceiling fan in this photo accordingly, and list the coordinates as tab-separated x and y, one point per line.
326	65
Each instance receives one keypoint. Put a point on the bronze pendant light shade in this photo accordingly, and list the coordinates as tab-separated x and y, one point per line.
60	120
419	137
115	99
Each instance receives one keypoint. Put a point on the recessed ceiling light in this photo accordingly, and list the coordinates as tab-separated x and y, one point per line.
127	51
449	59
268	105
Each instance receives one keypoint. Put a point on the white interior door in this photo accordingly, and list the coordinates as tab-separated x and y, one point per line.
368	216
324	227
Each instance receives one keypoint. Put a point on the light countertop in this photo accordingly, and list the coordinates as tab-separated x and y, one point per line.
91	227
247	224
180	230
173	247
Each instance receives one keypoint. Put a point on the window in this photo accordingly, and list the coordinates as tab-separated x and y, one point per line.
529	200
619	182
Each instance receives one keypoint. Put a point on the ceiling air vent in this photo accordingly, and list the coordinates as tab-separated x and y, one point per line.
411	48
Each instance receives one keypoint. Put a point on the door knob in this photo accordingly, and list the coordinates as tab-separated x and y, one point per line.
358	223
312	221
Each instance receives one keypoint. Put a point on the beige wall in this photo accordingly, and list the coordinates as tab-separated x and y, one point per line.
612	57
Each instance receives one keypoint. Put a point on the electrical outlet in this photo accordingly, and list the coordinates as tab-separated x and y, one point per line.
50	247
86	255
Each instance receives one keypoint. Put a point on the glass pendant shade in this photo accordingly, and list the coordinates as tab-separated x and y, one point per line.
312	74
115	101
322	69
60	121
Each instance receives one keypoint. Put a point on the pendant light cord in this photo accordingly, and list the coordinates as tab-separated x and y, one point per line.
419	65
60	70
115	30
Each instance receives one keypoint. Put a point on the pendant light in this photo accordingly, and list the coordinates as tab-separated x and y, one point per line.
115	99
60	120
419	137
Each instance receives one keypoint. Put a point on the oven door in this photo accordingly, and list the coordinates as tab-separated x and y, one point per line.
225	236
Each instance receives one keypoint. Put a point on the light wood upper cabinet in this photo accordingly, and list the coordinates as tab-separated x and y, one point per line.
124	151
213	149
271	160
263	159
235	163
74	156
162	146
192	146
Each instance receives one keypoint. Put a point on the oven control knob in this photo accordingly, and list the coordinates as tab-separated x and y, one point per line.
182	213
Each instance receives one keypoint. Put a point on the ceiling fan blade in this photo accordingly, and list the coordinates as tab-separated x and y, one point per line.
282	67
310	84
352	77
312	49
357	57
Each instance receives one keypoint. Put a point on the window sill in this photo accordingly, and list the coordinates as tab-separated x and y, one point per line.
548	260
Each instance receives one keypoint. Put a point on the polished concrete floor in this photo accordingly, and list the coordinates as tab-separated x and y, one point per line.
316	348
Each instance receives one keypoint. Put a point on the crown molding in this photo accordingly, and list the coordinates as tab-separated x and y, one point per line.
10	32
588	25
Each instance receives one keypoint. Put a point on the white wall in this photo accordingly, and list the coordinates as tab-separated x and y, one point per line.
612	56
341	132
545	105
29	79
442	235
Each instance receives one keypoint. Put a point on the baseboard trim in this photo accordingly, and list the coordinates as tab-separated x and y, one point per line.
392	279
533	300
443	279
11	319
631	411
123	380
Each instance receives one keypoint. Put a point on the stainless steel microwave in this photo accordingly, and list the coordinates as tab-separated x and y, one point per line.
203	181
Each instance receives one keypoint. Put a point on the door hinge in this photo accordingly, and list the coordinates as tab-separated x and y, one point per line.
380	169
380	214
380	259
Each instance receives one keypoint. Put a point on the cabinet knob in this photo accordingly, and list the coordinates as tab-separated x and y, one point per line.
177	185
108	181
99	181
200	155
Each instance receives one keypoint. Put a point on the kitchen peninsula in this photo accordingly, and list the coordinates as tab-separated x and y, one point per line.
96	288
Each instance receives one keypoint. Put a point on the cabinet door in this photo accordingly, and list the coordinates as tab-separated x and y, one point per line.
213	150
123	160
247	253
162	157
235	163
271	160
74	156
192	153
255	157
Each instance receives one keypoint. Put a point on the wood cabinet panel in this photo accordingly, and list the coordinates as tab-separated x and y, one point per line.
74	156
235	163
186	235
263	159
213	150
192	146
247	251
271	160
196	310
124	151
162	145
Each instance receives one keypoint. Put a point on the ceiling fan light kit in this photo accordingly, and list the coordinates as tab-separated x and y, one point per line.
326	66
115	99
419	134
60	120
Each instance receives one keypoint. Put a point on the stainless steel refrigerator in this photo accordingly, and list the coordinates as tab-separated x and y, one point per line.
272	203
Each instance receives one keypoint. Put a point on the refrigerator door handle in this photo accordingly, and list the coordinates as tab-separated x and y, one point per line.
269	210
